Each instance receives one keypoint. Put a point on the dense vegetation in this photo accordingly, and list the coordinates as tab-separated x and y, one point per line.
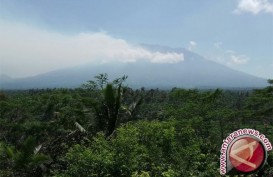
108	129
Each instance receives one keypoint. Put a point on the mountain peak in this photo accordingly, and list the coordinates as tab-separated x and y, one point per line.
193	71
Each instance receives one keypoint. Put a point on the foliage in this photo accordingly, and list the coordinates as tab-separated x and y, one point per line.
23	161
141	149
106	128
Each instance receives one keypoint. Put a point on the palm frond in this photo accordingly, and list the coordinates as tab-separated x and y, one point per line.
80	127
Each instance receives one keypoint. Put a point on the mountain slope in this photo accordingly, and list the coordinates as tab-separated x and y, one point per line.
194	71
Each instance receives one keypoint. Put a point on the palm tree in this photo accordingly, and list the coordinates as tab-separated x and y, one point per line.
108	105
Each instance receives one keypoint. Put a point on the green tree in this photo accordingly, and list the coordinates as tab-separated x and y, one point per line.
143	148
26	160
108	103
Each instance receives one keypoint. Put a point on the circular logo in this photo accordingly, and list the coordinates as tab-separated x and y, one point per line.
247	154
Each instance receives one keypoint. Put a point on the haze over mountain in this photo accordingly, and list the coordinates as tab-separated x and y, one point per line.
194	71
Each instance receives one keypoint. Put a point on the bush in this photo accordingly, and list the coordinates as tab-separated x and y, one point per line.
139	149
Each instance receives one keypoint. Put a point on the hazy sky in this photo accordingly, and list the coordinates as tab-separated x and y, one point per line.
37	36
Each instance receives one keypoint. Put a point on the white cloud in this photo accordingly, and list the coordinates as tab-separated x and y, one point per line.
229	51
192	45
238	59
25	50
218	44
227	57
254	6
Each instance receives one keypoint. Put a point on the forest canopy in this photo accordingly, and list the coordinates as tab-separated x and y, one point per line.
106	128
